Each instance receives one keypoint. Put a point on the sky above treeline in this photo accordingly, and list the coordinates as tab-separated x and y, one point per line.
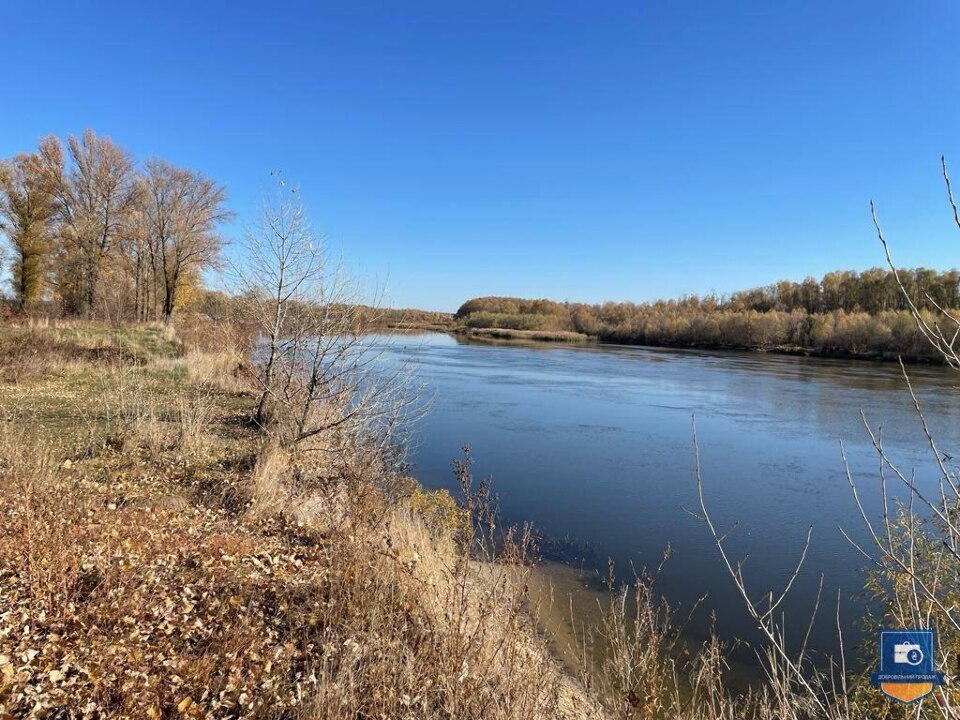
577	151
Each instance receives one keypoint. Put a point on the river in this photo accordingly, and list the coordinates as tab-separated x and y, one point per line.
593	445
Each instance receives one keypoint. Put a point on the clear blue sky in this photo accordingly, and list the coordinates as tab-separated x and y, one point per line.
581	151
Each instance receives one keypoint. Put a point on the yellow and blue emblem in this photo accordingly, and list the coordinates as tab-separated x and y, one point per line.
906	665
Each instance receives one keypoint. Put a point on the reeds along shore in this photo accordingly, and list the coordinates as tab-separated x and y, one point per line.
536	335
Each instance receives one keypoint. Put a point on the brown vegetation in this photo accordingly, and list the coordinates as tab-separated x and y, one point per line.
845	314
406	319
159	557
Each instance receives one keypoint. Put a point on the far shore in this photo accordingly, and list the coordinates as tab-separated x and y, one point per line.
561	336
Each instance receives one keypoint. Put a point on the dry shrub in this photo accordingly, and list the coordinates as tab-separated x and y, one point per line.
347	477
639	666
138	417
195	413
423	631
132	413
638	641
215	352
416	622
439	512
319	491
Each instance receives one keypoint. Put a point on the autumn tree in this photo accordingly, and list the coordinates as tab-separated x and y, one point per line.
182	211
93	195
26	211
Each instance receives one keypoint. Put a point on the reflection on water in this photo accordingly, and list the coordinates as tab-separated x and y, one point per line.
593	444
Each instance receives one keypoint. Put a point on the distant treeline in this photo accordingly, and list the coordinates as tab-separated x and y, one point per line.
407	318
845	313
221	306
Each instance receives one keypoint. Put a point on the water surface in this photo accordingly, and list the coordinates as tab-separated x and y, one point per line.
593	444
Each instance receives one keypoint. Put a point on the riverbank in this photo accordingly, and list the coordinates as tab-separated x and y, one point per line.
560	336
854	323
158	560
795	350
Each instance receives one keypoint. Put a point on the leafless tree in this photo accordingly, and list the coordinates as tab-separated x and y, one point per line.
914	547
942	331
182	211
323	386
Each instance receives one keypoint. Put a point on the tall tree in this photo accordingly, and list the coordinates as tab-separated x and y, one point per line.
26	211
94	196
183	211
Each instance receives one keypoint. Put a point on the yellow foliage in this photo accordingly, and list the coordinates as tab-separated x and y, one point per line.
439	510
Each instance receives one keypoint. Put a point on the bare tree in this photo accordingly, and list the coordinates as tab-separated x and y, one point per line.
941	328
182	211
322	387
281	273
26	211
93	197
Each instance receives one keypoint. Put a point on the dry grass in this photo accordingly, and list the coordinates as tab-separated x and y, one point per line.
131	590
434	636
32	352
270	481
136	415
144	611
140	610
635	660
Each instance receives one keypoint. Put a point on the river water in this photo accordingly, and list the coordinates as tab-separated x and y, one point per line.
592	444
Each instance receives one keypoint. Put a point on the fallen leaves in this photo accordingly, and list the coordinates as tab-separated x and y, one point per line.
164	612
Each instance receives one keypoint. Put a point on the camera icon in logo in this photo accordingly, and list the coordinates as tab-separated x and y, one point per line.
906	669
907	654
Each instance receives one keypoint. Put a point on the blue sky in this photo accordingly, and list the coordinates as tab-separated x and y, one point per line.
580	151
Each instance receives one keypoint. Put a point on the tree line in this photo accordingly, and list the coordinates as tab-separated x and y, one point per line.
93	233
844	313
